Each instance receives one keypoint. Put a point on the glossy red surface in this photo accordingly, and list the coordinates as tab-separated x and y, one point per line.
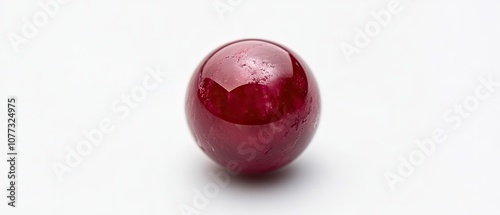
253	106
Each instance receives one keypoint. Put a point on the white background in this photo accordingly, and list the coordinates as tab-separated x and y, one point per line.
395	91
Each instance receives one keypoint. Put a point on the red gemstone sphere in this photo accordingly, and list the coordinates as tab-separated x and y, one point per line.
253	106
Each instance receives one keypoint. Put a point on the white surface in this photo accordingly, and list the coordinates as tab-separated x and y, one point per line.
395	91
